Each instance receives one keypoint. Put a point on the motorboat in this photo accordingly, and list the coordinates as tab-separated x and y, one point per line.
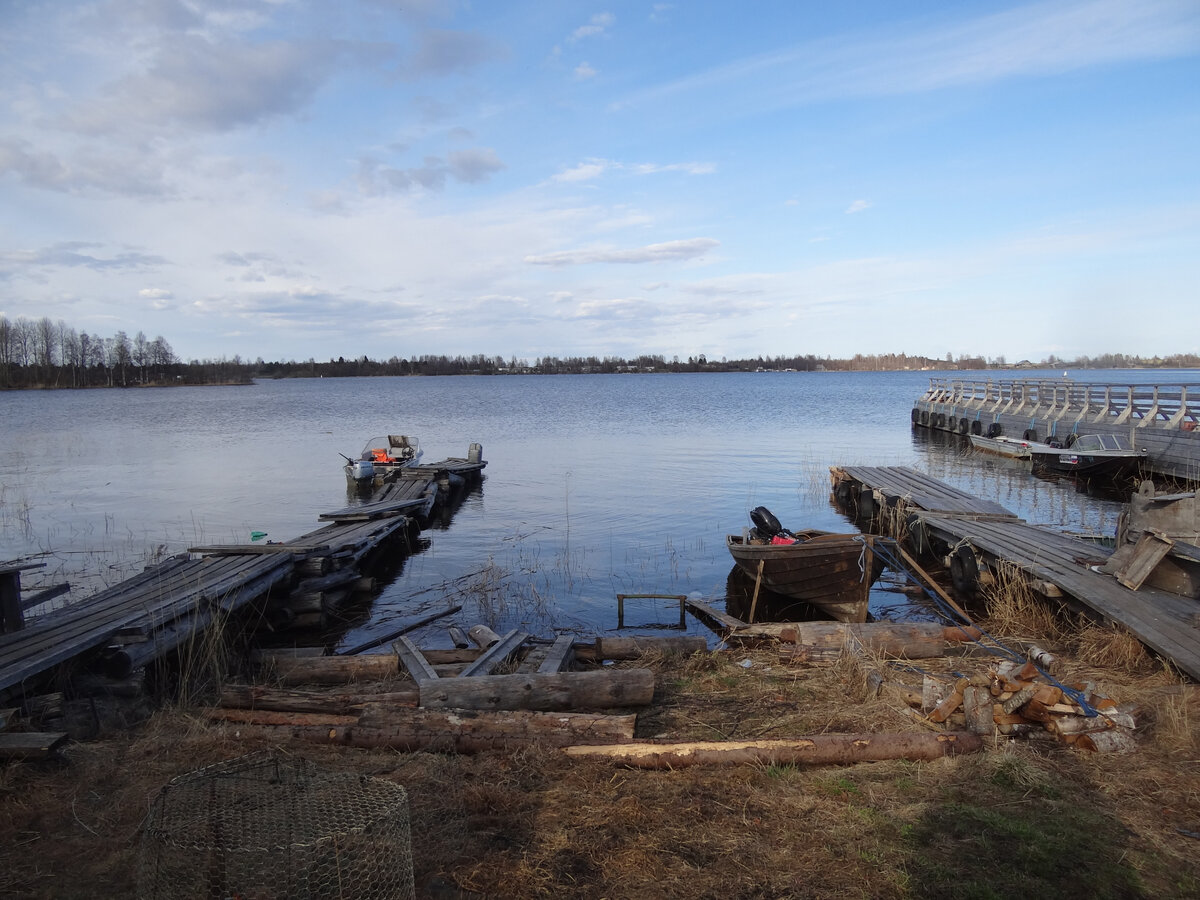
382	456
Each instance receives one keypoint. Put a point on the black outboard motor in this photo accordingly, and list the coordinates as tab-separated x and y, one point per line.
766	524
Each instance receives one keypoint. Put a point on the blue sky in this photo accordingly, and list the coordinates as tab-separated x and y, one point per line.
307	179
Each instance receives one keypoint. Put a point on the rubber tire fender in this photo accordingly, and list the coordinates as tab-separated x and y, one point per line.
995	430
963	425
964	571
976	427
1030	434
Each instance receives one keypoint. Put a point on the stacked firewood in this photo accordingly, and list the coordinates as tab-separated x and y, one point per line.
1015	699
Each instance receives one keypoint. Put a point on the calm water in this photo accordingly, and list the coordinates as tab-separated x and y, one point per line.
596	485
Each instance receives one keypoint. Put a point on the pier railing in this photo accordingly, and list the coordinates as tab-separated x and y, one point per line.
1136	405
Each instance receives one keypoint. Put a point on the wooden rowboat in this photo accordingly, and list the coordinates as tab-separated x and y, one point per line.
833	572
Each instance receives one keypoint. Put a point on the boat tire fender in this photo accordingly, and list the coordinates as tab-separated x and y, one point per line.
1030	434
976	427
995	430
916	416
964	571
963	425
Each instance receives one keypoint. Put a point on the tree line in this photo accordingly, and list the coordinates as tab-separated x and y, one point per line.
46	354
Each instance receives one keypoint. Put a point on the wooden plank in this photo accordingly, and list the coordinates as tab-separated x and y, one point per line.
704	611
7	716
560	655
414	661
30	744
1147	553
495	654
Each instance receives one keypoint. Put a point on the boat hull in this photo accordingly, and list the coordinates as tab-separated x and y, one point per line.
825	570
1001	446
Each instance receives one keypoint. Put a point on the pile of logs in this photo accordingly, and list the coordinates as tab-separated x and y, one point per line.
452	700
1016	700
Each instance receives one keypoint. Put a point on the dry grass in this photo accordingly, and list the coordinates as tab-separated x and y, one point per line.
1021	819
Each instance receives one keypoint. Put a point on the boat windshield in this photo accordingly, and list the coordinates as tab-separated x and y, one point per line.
1087	442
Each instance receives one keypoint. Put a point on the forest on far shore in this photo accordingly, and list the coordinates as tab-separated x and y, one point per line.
47	354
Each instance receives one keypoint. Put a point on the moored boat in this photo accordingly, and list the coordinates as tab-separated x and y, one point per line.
833	572
1002	446
382	456
1089	456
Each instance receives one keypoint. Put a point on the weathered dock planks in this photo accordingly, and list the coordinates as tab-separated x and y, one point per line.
1056	564
893	485
175	589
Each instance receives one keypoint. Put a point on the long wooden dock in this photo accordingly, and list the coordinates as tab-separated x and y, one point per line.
1163	419
149	615
979	542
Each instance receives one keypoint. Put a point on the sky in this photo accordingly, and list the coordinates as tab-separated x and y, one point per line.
292	180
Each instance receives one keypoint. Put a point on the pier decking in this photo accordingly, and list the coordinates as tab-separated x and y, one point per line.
986	538
135	622
1160	418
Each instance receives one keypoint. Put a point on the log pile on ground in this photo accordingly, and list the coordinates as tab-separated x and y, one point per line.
1015	699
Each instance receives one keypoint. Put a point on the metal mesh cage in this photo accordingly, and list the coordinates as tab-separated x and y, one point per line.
261	827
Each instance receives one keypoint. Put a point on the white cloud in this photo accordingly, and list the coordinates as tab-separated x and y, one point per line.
597	25
1037	39
668	251
584	71
156	294
857	206
586	171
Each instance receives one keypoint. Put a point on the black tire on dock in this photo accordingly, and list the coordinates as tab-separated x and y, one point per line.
925	417
976	427
940	420
844	493
866	503
918	534
995	430
1071	439
1030	434
916	416
963	425
964	571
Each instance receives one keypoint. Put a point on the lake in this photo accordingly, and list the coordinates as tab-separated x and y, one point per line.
596	484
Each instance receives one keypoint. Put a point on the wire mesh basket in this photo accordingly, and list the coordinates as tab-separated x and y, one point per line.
261	827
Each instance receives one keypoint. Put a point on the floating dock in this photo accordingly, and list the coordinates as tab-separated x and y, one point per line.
291	583
979	540
1159	418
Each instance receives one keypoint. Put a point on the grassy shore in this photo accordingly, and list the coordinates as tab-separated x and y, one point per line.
1024	818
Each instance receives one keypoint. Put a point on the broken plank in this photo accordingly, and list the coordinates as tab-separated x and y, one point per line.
560	655
418	666
495	654
30	744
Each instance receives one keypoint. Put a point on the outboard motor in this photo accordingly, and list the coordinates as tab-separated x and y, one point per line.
767	525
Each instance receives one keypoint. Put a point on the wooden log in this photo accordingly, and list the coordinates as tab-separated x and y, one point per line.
913	641
483	636
977	707
402	628
313	566
599	689
633	647
1115	740
467	731
30	744
821	749
332	669
950	703
274	717
257	696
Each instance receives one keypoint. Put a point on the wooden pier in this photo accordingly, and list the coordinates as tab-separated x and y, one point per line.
1159	418
169	604
980	539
